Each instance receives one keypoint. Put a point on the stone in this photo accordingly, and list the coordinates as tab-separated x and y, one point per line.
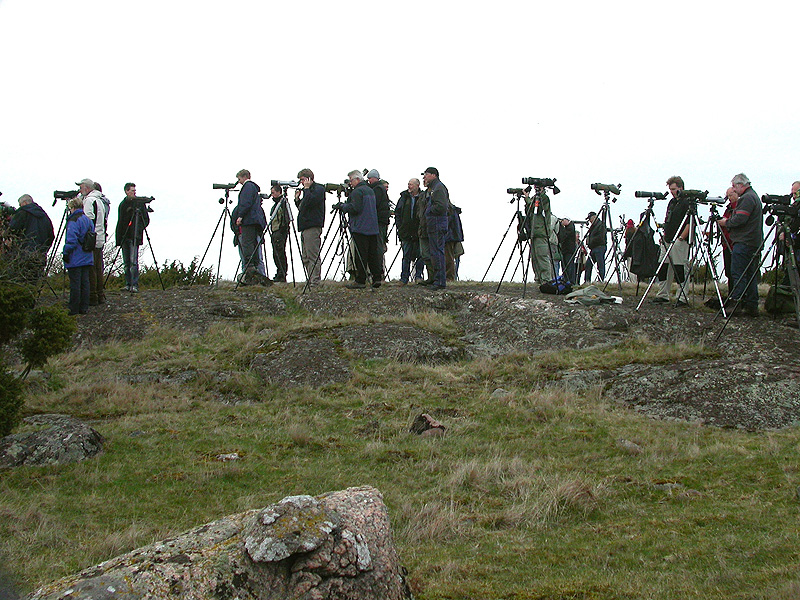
425	422
59	440
336	545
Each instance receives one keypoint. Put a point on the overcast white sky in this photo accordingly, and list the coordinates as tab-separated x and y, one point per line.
178	95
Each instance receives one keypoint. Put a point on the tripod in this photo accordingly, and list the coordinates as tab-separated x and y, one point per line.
781	226
223	217
137	218
520	244
54	252
604	216
696	251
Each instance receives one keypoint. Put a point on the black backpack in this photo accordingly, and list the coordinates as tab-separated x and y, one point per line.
558	286
643	252
89	241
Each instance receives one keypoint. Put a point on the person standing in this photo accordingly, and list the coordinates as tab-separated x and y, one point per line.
407	226
251	221
131	222
310	221
279	232
746	226
363	225
567	246
34	232
436	212
676	265
540	216
596	240
382	206
77	261
95	209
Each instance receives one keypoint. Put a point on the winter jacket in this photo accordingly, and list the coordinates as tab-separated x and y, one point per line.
438	199
597	234
95	209
361	208
125	225
406	218
33	226
747	222
250	210
382	206
78	225
455	232
676	212
540	216
566	240
311	208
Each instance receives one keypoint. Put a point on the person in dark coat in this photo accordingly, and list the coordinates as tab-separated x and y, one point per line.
129	234
596	240
251	221
567	245
382	206
363	225
34	232
310	221
279	232
78	261
406	222
436	212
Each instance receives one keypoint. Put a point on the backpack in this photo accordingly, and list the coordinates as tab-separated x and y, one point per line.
780	300
643	252
89	241
558	286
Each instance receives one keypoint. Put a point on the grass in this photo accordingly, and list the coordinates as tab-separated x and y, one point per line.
528	496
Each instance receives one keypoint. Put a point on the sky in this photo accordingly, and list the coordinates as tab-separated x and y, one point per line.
176	96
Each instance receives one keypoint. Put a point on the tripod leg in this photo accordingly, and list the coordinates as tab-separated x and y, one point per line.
208	247
155	262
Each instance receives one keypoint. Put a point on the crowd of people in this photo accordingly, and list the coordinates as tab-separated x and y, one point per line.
427	226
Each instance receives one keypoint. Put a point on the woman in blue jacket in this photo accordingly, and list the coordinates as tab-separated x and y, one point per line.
76	260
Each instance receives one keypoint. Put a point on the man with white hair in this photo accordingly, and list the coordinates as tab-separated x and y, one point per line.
746	226
95	209
34	230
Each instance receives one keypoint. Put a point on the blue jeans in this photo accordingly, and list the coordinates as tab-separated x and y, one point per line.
130	258
596	255
411	254
437	232
744	268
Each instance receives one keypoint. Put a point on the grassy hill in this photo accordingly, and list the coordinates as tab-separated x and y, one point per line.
537	491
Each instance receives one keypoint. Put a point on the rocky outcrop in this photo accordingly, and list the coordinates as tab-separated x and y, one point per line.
62	440
334	546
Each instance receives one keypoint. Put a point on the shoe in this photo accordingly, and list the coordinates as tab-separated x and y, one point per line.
279	280
376	285
134	289
750	311
425	282
435	287
356	286
93	302
659	300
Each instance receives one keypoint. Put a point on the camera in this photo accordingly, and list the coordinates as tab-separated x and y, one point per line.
541	182
66	195
224	186
776	199
653	195
142	202
693	195
713	201
607	187
292	184
336	187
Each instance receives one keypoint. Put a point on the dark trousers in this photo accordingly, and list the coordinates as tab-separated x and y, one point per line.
596	255
79	290
437	232
411	255
248	242
279	254
744	274
368	255
96	281
569	267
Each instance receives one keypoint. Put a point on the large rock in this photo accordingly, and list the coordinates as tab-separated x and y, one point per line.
335	546
63	440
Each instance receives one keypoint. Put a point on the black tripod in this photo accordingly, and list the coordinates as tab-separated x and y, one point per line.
224	217
283	206
135	224
54	249
521	244
696	252
604	216
780	228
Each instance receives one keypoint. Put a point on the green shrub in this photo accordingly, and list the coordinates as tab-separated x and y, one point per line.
50	332
172	274
10	401
15	303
